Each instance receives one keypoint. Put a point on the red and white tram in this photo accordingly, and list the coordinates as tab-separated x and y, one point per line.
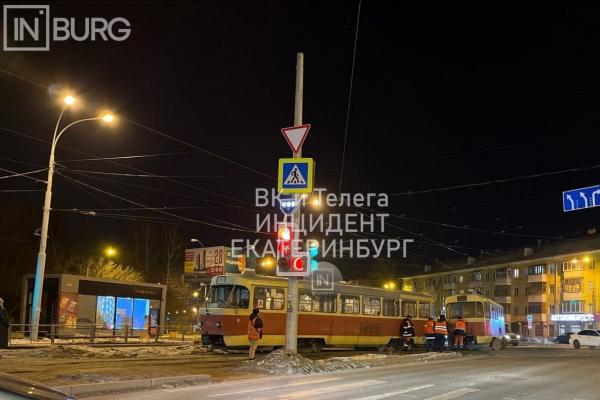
348	316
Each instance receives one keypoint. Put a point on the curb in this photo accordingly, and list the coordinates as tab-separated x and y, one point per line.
133	385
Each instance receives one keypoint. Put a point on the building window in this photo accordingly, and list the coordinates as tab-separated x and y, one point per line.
573	306
551	309
535	309
515	273
516	310
537	269
501	273
475	277
573	265
516	291
551	288
572	285
460	279
590	309
536	288
551	269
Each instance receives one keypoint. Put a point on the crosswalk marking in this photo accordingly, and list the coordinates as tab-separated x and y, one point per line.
396	393
453	394
335	388
274	387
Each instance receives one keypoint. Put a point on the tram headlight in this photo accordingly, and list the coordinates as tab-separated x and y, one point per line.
518	336
507	337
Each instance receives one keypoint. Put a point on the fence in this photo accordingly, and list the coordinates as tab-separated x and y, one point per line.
83	333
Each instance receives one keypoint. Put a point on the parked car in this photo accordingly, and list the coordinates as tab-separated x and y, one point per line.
587	337
13	387
512	338
564	338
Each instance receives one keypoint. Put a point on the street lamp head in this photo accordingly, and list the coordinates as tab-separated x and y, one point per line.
108	118
110	251
69	100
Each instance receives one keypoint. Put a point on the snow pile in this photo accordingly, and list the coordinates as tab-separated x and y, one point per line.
74	351
283	362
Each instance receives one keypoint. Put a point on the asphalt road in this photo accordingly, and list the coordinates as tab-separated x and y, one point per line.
516	373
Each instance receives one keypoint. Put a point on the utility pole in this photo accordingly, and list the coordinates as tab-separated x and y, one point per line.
291	331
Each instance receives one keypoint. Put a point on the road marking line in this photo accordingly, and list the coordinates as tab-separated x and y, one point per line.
390	394
275	387
329	389
453	394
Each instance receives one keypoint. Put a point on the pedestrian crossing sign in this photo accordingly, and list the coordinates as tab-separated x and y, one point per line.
295	175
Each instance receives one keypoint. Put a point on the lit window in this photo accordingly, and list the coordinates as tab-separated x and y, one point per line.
516	272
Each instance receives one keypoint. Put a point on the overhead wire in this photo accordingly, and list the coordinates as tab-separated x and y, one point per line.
154	209
349	105
505	180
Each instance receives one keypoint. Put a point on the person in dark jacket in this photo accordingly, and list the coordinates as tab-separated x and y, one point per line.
255	332
441	333
3	326
407	331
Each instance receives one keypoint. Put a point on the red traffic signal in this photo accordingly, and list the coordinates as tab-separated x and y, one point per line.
297	264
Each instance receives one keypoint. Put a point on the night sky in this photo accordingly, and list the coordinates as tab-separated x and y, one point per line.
444	94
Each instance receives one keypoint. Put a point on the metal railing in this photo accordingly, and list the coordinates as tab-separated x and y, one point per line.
85	333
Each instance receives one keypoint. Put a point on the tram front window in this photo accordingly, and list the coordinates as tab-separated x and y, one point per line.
228	296
471	309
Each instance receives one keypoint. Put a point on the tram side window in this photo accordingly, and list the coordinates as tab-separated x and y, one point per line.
391	307
305	302
371	305
325	303
424	310
350	304
409	308
469	309
229	296
267	298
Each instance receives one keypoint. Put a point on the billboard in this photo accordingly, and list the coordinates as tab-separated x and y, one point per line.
212	261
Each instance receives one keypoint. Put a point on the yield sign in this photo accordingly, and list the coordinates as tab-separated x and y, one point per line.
295	136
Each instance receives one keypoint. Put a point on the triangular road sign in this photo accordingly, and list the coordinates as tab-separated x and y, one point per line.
295	136
295	177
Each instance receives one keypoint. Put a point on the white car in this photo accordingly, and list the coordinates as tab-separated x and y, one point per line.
588	337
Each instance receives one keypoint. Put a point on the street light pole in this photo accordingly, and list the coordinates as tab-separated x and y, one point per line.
41	258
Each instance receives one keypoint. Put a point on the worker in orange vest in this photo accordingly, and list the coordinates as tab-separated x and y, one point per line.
429	330
460	328
441	333
255	327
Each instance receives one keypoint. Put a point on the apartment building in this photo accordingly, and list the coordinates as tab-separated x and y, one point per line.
545	291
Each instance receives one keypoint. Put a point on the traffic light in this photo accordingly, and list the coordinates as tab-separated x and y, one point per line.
313	251
289	261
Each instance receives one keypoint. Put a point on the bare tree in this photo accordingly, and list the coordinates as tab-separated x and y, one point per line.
174	248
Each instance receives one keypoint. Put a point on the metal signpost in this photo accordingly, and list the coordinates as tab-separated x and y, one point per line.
291	326
579	199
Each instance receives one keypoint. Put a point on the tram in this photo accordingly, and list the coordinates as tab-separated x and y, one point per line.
347	316
484	318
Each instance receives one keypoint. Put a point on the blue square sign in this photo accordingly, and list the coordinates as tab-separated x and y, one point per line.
295	175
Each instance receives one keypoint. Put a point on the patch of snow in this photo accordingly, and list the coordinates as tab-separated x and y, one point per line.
283	362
